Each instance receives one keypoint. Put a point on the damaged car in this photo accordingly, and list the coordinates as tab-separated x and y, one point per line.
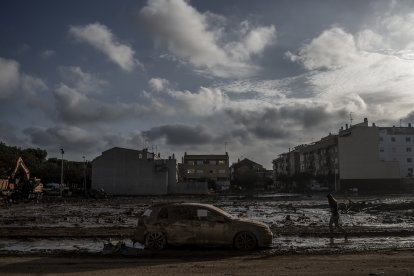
198	224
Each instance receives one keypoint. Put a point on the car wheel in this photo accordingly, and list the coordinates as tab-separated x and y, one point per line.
155	241
245	241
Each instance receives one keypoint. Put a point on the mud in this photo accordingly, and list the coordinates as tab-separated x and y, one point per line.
299	223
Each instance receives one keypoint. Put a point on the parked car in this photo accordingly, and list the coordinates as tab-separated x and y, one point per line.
198	224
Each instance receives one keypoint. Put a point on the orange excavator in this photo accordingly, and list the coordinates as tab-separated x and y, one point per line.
27	187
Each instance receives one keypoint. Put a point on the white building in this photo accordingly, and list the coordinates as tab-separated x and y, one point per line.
120	171
397	144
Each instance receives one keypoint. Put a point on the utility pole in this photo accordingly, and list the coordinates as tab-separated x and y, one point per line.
84	175
61	173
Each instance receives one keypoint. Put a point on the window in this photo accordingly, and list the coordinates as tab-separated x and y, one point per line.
408	139
200	171
221	162
221	171
189	162
207	215
410	172
409	160
408	149
392	139
212	162
181	213
199	162
381	149
140	156
211	171
190	171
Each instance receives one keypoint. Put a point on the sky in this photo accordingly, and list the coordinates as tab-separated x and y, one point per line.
252	78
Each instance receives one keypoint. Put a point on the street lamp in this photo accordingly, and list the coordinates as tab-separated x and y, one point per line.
84	174
61	173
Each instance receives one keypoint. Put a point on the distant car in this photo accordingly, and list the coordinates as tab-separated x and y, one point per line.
198	224
51	189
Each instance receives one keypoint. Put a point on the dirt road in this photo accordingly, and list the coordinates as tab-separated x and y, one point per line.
386	263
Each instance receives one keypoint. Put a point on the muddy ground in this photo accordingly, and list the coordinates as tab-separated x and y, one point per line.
78	225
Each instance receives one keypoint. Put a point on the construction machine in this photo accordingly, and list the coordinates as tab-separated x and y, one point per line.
21	188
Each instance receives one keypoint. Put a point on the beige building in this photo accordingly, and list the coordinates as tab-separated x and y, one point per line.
359	163
211	168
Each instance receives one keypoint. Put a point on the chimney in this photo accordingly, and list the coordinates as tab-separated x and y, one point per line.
373	124
346	126
289	149
173	156
365	120
409	124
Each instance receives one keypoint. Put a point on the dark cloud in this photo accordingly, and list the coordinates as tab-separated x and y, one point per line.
69	137
180	134
279	123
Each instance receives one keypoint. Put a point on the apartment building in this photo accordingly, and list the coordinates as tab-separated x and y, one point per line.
359	156
397	144
211	168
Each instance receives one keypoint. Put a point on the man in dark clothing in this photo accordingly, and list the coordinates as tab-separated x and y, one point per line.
333	204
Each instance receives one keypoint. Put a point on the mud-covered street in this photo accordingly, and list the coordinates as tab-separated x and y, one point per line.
299	223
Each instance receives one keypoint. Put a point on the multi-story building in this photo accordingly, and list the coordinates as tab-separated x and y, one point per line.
211	168
359	156
397	144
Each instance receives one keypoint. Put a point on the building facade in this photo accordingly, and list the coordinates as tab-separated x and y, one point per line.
250	175
120	171
359	156
213	168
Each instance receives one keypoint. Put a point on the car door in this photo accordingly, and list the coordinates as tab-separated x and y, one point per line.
211	227
177	222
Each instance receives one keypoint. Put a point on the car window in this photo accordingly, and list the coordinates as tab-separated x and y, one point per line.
181	213
208	215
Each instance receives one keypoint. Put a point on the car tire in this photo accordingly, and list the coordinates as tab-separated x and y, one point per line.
245	241
155	241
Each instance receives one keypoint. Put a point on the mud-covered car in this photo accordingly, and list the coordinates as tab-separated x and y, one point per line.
198	224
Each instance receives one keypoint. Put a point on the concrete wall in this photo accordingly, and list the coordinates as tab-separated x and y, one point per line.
359	157
189	188
121	172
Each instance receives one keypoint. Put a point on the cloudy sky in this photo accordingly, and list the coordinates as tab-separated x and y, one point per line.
251	77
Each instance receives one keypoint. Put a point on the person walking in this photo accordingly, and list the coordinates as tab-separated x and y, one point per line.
335	219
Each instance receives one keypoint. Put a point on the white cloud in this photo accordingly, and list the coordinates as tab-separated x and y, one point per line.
12	80
359	76
205	102
9	77
332	49
191	37
32	85
102	39
158	84
80	80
